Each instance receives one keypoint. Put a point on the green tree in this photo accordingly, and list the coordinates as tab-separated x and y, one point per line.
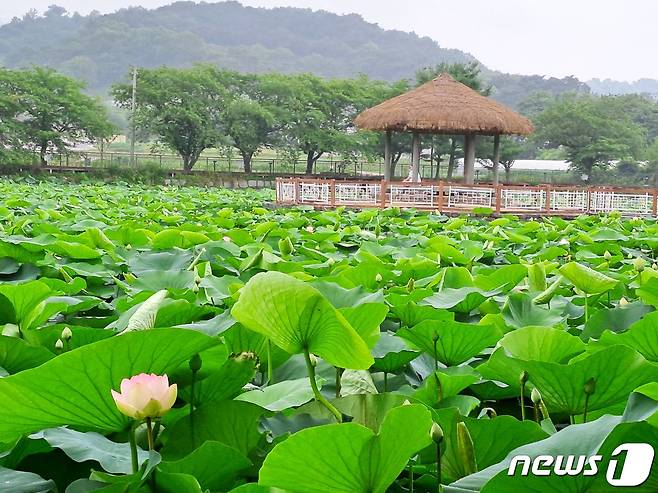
469	74
322	114
259	107
511	149
592	134
182	108
47	111
651	158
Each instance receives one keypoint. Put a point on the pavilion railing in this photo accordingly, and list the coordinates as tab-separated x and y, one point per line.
454	197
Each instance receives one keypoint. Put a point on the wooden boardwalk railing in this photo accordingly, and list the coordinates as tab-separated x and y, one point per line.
454	197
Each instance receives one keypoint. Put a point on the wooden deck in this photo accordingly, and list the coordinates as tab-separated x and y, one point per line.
458	198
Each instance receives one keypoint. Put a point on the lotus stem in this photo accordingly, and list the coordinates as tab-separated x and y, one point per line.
149	432
196	259
411	478
310	368
385	382
133	449
589	388
436	433
339	385
270	366
586	308
439	489
435	340
523	379
195	365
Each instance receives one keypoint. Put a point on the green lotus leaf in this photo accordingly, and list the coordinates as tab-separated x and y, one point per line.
587	280
451	342
74	388
351	458
296	317
521	311
617	371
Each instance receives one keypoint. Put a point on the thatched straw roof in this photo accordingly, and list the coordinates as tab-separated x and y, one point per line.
444	106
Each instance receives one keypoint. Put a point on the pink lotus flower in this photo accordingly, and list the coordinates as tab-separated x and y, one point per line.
145	396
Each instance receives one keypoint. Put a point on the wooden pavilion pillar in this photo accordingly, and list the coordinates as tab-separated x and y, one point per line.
388	156
415	157
496	158
469	159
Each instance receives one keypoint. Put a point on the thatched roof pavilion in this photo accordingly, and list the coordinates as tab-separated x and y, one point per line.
443	106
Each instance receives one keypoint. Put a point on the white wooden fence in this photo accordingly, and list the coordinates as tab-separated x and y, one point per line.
453	197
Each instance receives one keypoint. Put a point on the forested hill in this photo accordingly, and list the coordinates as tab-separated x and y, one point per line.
100	48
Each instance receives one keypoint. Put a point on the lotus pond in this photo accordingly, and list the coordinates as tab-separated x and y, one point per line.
189	340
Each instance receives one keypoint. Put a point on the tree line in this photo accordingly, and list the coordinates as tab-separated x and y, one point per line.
305	116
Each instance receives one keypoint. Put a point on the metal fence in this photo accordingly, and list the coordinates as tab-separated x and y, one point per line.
330	166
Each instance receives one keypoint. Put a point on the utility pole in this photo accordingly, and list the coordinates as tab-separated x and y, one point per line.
133	127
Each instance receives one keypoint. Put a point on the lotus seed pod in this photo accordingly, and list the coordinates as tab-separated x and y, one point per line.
436	432
195	363
465	449
590	386
607	255
523	377
378	278
59	345
535	396
286	246
66	334
246	355
639	264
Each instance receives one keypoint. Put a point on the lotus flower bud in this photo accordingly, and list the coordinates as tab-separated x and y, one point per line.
406	402
227	239
285	246
378	278
639	264
145	396
310	229
590	386
466	449
436	432
623	301
195	363
607	255
59	345
378	230
313	359
66	334
410	285
331	261
535	396
523	377
654	266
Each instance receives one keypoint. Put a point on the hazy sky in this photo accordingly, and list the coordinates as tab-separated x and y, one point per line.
587	38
